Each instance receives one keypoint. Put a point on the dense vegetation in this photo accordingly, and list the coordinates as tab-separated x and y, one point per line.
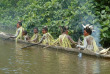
103	14
54	13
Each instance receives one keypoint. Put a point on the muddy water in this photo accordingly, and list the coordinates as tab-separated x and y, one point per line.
37	60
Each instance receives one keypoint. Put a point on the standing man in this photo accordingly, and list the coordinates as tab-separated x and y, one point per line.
19	31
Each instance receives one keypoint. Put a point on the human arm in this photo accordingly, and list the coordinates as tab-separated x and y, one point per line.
56	42
35	38
71	40
43	37
17	33
83	46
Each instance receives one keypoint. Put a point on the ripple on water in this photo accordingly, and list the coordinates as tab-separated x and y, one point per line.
36	60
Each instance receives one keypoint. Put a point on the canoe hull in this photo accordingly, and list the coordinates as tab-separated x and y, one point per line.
86	52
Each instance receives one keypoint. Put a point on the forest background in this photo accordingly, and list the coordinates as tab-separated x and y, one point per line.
55	13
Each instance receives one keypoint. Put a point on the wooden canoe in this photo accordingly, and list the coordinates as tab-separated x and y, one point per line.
85	52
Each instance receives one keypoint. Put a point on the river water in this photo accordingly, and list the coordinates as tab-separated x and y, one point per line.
37	60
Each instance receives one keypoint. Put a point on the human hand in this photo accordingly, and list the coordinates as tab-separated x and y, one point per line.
77	46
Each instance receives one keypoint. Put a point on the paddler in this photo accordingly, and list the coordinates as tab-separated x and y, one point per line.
36	36
64	39
47	38
89	42
25	36
19	31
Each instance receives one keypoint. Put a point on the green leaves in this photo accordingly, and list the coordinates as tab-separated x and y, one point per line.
55	13
103	11
107	8
104	29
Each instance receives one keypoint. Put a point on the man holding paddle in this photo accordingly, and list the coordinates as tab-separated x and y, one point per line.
19	31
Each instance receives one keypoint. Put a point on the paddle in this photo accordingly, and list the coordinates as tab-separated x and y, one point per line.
46	47
30	45
80	54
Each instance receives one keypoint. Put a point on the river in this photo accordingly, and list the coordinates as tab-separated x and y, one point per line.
37	60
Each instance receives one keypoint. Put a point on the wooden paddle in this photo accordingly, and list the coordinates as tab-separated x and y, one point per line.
46	47
29	46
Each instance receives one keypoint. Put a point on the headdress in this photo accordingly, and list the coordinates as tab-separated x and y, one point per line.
88	26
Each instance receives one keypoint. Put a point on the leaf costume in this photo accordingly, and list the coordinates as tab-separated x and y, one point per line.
89	43
64	40
18	34
47	39
35	38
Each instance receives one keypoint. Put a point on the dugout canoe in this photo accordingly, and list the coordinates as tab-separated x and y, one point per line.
4	35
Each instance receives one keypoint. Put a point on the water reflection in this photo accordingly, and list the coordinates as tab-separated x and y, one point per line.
90	66
96	67
36	60
19	58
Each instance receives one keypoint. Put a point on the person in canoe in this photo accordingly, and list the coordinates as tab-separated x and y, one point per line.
64	39
89	42
36	36
25	36
19	31
47	38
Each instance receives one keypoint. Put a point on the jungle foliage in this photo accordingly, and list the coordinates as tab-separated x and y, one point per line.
55	13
